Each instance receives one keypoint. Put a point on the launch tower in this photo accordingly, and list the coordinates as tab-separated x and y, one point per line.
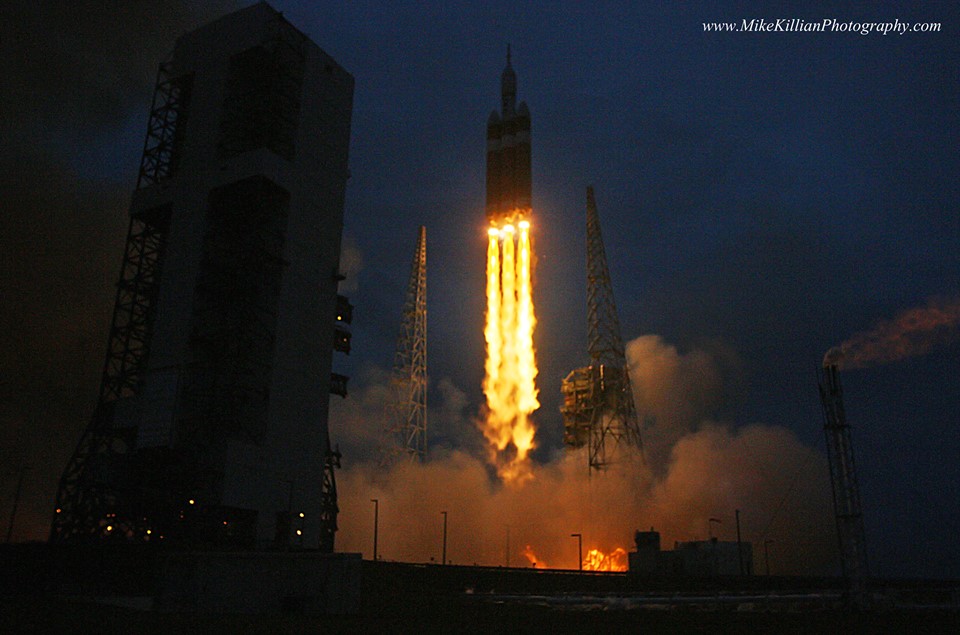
598	409
408	416
211	423
843	478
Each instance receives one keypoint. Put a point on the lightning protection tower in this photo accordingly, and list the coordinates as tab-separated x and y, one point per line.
843	479
598	409
408	419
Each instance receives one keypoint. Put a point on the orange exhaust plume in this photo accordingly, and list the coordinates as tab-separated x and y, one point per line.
511	367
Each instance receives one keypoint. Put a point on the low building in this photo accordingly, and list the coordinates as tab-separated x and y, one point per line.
701	558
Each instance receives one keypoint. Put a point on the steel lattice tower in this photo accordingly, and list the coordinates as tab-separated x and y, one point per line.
90	504
843	479
408	427
598	400
211	428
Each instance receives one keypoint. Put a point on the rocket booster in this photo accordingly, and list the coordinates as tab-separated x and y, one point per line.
508	155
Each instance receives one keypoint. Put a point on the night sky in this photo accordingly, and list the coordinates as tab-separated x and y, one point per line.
763	197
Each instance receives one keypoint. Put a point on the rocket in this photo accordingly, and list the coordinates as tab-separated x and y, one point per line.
508	155
510	369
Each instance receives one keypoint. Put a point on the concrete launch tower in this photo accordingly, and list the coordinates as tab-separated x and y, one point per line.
211	424
508	155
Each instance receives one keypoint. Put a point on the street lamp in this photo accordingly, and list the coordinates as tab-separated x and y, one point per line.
507	553
739	543
579	538
444	559
766	554
376	524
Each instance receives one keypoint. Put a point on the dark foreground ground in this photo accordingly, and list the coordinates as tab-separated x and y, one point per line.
460	614
44	593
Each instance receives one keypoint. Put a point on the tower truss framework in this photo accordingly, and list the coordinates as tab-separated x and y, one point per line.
598	407
408	417
843	480
90	502
211	426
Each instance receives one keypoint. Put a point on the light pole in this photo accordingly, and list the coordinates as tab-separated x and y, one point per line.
710	525
739	543
766	555
508	547
444	559
376	524
579	538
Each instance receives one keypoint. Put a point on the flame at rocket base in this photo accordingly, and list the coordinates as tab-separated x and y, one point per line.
510	382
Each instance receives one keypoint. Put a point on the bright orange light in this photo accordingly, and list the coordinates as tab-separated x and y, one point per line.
493	231
191	501
109	527
533	559
511	367
596	560
149	531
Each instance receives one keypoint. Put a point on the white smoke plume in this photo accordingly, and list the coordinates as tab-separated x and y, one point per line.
673	393
913	332
708	470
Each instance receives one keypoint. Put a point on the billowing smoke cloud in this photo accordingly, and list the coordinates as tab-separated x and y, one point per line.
359	423
708	470
913	332
673	393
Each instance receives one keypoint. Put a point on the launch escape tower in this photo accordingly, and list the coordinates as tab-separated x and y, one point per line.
598	409
211	428
843	479
407	434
